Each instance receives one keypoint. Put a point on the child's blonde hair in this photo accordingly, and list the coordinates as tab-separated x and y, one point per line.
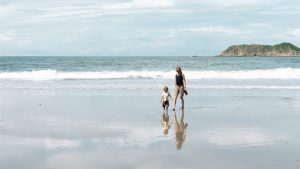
165	89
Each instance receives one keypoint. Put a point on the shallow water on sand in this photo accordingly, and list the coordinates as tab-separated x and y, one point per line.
71	128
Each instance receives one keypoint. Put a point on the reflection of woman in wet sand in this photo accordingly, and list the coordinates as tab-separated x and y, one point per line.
180	130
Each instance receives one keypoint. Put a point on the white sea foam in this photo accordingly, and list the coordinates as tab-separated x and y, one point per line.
280	73
45	86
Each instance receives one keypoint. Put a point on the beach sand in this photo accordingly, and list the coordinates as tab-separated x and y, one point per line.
234	129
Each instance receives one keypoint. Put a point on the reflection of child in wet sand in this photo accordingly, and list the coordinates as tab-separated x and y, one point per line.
165	104
180	130
165	123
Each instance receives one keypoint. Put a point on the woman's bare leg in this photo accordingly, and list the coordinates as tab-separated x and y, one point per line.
182	102
181	92
176	95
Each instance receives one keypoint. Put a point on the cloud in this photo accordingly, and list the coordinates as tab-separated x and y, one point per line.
9	12
153	3
60	143
214	29
294	33
230	3
142	4
6	37
4	2
75	11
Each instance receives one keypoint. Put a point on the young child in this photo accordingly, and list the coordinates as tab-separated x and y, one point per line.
165	98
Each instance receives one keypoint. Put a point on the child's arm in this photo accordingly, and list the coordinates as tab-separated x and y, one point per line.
170	96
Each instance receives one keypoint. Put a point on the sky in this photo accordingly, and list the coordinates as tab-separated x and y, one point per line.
143	27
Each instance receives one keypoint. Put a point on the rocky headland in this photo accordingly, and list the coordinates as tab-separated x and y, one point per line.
282	49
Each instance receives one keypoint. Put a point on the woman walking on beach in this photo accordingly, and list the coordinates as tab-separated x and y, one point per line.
180	86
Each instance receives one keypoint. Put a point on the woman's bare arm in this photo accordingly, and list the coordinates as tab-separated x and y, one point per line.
184	82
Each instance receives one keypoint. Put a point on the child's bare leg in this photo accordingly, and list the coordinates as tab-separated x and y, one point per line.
165	110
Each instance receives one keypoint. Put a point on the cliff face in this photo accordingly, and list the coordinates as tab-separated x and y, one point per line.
283	49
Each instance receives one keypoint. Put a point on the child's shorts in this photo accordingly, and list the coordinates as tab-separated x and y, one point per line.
165	104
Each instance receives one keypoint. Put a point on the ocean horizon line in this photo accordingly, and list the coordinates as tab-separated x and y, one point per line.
108	55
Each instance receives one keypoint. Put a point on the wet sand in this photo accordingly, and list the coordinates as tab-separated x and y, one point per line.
236	129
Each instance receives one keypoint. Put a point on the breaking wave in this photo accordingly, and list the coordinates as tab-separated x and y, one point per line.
280	73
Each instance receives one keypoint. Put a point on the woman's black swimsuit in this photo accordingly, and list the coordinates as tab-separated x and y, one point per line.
179	80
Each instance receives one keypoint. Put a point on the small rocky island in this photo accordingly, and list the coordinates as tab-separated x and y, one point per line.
282	49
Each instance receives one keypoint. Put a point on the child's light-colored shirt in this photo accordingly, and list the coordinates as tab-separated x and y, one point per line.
165	96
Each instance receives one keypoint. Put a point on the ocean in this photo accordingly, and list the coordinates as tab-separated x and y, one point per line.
106	112
149	72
